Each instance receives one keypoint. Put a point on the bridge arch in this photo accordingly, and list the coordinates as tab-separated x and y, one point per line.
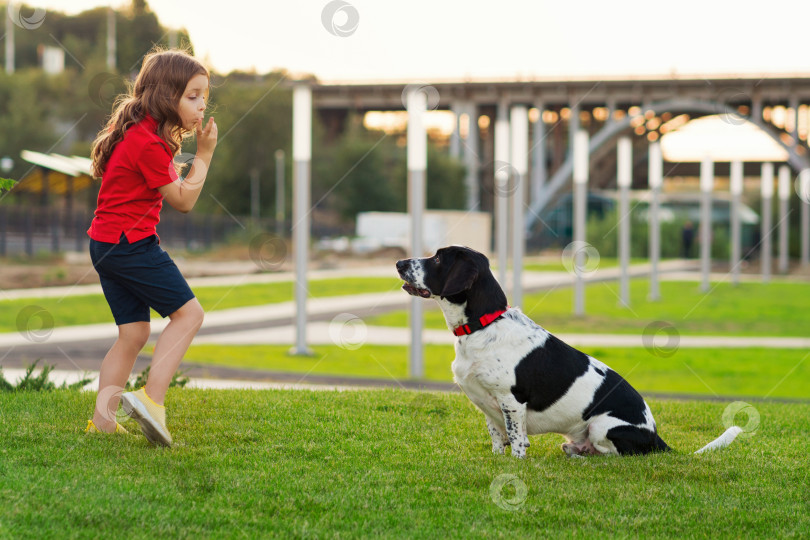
615	128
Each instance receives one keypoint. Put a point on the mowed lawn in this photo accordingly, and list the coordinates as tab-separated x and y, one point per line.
750	309
386	463
754	372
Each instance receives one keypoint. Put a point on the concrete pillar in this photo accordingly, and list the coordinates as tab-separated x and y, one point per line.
794	105
280	197
624	174
706	186
111	39
756	107
804	203
767	196
784	219
455	137
255	196
470	152
501	190
302	156
736	188
519	121
539	173
417	189
611	108
655	181
573	123
10	53
581	166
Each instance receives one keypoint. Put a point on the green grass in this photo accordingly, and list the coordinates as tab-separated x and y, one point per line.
724	372
90	309
389	464
751	309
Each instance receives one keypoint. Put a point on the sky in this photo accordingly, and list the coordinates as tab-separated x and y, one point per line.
428	41
438	40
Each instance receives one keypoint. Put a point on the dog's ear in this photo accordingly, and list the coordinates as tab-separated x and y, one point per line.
460	278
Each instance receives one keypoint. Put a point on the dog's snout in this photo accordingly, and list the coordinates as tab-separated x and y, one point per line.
402	265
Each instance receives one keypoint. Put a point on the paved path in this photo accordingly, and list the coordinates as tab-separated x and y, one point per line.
354	332
292	381
335	320
210	281
71	376
271	324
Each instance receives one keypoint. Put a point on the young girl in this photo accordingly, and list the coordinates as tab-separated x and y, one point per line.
133	155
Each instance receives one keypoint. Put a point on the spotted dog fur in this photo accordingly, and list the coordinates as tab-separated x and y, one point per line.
524	379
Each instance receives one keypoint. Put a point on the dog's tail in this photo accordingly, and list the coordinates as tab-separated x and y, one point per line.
723	440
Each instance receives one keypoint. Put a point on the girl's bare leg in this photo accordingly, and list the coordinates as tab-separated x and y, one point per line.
115	370
172	346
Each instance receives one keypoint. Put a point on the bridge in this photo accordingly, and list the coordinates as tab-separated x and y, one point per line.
644	109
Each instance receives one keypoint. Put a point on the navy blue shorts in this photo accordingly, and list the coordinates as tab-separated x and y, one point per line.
138	276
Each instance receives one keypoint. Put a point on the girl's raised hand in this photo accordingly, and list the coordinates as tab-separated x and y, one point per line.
206	136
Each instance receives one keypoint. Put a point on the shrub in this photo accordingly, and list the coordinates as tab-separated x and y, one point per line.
178	379
38	383
42	382
603	235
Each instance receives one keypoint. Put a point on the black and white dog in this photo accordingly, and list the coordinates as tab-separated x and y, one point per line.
525	380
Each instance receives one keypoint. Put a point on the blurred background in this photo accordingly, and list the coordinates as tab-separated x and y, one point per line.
733	86
711	98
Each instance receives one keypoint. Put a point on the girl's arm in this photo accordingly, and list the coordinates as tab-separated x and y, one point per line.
183	194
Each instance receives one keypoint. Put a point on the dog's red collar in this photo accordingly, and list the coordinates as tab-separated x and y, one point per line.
484	320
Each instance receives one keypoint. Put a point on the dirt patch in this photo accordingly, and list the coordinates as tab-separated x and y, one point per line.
24	276
76	269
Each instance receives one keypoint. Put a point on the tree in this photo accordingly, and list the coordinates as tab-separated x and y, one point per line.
446	189
254	118
362	175
26	116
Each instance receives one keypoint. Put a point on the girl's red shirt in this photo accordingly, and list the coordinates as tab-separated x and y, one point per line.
129	202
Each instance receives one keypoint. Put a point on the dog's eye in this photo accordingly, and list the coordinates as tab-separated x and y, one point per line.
436	259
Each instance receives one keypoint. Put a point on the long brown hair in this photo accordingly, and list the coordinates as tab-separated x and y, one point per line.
157	91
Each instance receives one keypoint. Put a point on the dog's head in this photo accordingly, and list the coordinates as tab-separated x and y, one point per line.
450	272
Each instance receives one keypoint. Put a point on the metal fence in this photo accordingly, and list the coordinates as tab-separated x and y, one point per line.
29	230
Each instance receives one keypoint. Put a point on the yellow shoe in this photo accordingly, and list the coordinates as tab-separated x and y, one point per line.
149	415
91	428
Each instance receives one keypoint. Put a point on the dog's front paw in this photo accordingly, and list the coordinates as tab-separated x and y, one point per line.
498	448
519	449
519	453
